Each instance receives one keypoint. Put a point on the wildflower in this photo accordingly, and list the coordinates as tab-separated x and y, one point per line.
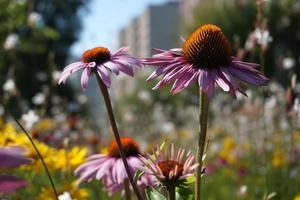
297	197
12	157
39	99
278	159
30	118
66	192
35	19
101	61
65	196
288	63
11	41
110	168
9	86
263	36
170	170
205	57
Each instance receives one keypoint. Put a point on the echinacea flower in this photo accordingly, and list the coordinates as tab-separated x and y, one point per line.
12	157
170	169
110	168
101	61
205	57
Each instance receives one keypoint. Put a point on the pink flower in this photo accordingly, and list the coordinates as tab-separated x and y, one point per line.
110	168
12	157
101	61
205	58
171	169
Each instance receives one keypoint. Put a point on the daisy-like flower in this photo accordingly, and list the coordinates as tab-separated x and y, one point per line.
205	57
170	170
110	168
101	61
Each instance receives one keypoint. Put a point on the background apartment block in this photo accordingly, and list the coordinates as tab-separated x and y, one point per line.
157	26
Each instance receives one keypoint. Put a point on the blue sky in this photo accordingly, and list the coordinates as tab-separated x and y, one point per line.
104	19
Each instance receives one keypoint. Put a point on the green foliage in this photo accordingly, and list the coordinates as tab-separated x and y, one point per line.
42	45
153	194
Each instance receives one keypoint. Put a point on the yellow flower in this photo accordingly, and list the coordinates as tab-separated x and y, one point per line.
228	143
69	160
297	197
75	193
278	159
297	136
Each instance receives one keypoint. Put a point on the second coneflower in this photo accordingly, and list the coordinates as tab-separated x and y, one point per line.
205	58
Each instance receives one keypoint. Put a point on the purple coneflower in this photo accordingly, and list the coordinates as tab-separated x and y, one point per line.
12	157
170	171
110	168
102	62
205	57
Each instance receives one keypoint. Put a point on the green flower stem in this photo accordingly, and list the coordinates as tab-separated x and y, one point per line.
114	127
35	148
127	190
203	117
171	192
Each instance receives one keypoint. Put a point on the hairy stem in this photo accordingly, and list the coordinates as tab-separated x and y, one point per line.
171	192
203	116
114	127
35	148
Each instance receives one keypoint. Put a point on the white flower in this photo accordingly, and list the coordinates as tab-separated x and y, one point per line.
263	37
243	190
9	85
56	75
144	96
35	19
65	196
11	41
39	99
30	118
288	63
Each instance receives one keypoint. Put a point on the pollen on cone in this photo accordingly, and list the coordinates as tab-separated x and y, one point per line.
207	47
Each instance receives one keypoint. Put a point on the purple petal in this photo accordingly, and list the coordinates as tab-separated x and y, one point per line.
104	75
105	168
11	183
125	69
85	78
112	66
12	157
69	70
220	81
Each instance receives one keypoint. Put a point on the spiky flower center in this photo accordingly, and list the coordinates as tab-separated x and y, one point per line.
130	146
98	55
207	47
167	166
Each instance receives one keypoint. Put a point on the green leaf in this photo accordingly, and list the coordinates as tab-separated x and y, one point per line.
184	193
153	194
190	180
137	175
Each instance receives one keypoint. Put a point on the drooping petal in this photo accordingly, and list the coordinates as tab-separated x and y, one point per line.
85	78
69	70
104	75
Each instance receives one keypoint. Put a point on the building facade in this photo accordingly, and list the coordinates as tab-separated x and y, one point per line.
157	26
